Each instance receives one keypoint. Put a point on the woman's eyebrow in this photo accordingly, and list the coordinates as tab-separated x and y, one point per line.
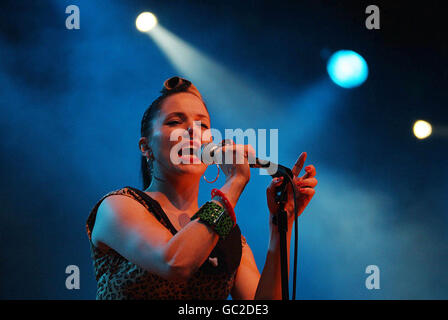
182	115
175	114
200	115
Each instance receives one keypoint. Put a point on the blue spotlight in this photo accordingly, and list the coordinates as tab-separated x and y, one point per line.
347	69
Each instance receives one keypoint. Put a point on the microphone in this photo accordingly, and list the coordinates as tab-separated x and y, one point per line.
207	152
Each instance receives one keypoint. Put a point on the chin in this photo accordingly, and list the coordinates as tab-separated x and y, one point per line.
190	167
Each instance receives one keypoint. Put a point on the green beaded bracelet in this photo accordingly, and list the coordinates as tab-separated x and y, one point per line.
215	216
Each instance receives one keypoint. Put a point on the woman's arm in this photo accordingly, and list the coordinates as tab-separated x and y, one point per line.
124	225
247	276
249	284
269	287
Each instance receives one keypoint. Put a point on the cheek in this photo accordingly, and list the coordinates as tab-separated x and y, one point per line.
162	142
206	136
157	142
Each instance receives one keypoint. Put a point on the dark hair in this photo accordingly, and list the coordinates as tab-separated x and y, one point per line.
172	86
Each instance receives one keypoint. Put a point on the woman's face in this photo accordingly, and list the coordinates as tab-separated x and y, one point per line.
175	135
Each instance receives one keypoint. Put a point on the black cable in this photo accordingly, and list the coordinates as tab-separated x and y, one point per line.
296	234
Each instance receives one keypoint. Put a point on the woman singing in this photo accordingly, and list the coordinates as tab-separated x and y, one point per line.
159	243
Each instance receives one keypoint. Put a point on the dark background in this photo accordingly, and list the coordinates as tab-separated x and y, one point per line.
71	103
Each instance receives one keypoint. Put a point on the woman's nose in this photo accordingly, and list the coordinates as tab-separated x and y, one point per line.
190	130
194	130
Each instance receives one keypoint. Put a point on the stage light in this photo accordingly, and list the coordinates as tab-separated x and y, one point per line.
422	129
210	75
145	21
347	69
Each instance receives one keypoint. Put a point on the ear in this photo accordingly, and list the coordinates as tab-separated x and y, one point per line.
144	147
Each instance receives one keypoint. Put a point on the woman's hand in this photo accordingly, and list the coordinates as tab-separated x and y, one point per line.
235	165
305	189
234	160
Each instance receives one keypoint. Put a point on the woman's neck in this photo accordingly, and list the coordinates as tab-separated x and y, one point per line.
176	195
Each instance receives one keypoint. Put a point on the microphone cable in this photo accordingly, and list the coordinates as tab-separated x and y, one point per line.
296	235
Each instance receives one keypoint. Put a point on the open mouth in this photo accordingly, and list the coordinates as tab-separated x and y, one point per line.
187	151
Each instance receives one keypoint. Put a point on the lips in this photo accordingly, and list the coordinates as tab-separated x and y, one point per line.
189	148
187	151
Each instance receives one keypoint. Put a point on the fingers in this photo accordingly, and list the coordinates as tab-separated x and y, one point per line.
307	183
310	172
305	188
246	148
249	151
307	191
270	191
301	184
238	152
299	164
227	142
275	183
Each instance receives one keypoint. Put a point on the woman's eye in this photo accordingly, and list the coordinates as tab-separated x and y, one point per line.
204	126
173	122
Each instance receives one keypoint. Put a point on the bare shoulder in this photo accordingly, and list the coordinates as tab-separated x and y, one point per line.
118	207
118	215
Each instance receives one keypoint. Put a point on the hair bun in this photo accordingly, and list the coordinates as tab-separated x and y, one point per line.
178	84
174	82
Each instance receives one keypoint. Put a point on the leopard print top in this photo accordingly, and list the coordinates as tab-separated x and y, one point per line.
119	278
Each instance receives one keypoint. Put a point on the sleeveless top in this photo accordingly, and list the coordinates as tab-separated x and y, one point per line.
119	278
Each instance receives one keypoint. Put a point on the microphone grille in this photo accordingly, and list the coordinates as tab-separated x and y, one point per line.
208	152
